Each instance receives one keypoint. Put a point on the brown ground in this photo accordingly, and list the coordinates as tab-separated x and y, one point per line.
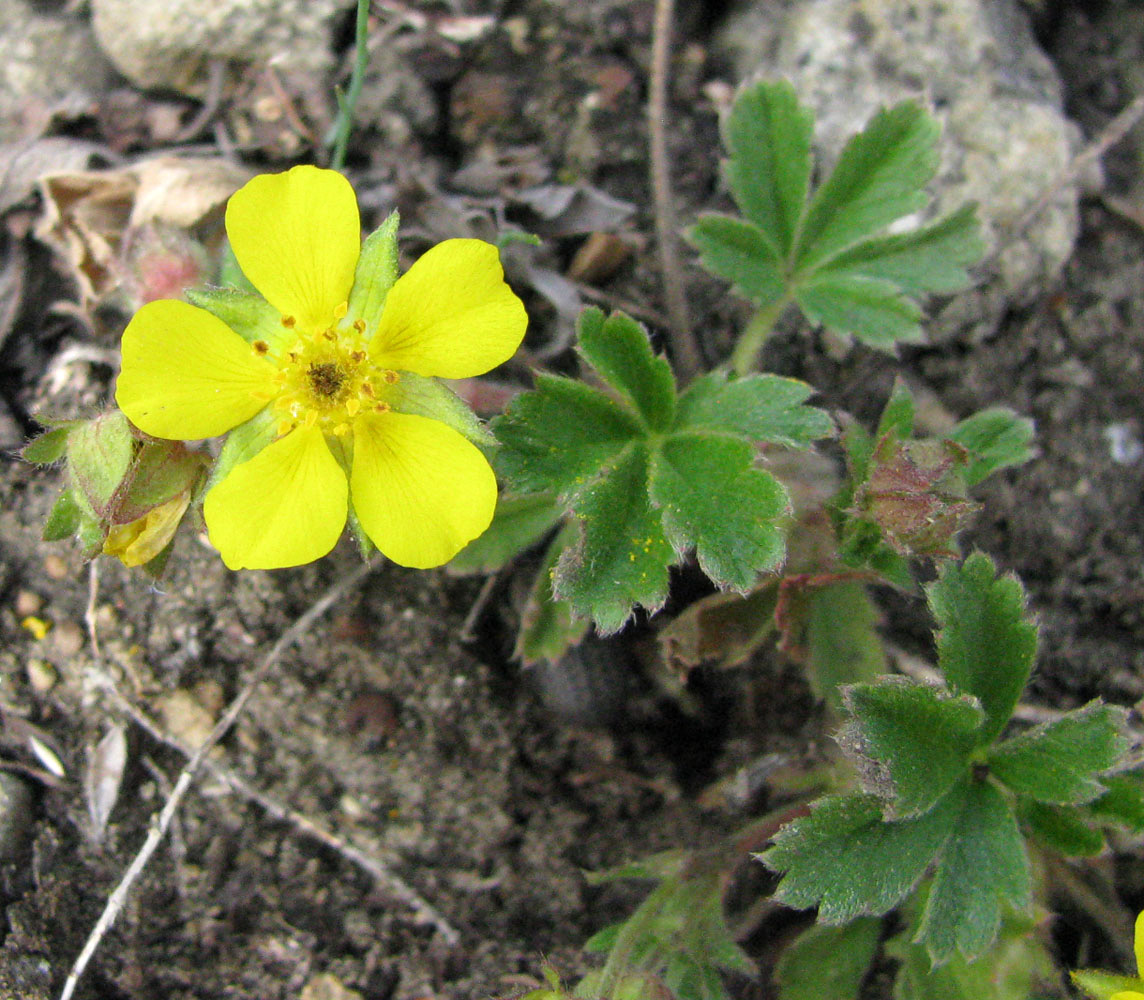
432	756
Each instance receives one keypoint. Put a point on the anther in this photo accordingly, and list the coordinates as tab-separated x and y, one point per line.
260	347
353	404
359	325
341	309
288	322
381	408
357	357
389	376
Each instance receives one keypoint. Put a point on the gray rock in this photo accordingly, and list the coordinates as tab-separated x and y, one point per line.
976	65
169	43
44	60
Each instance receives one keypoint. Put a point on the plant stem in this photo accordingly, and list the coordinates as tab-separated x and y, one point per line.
348	104
751	340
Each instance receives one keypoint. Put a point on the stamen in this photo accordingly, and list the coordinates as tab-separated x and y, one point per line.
288	322
341	309
260	347
353	404
389	377
359	325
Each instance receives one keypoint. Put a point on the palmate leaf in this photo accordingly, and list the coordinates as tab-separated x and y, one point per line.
828	250
828	961
995	438
647	476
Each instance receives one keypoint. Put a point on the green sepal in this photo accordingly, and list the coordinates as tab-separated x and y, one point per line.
986	644
619	349
912	742
50	446
100	456
1063	829
160	471
1059	762
897	418
621	556
64	518
828	961
766	408
996	438
375	274
243	443
519	522
712	499
558	436
1104	985
548	627
848	861
879	177
427	397
246	313
982	868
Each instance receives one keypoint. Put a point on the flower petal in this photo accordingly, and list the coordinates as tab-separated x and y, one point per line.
1138	944
285	507
451	314
187	375
296	236
420	490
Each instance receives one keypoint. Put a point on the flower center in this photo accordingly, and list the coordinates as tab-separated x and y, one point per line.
326	380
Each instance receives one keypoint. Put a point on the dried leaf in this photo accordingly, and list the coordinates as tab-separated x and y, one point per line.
105	764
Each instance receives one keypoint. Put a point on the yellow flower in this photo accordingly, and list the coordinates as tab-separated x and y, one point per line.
1102	985
331	379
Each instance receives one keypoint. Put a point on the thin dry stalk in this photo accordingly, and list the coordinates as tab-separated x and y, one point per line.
162	823
685	349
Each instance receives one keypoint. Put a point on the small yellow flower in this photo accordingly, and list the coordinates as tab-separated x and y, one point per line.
332	381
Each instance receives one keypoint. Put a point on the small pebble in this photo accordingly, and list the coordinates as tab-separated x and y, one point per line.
15	815
68	639
42	676
28	602
55	567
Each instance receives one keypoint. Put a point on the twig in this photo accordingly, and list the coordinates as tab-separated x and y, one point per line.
1109	136
423	910
685	349
160	825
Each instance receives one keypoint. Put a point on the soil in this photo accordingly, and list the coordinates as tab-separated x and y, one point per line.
435	755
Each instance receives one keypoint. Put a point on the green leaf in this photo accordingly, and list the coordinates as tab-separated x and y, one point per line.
1059	762
828	962
996	439
557	437
100	455
50	446
621	557
842	641
63	519
985	645
619	349
1123	802
879	178
714	499
375	274
759	407
912	741
846	860
518	523
427	397
768	134
1062	828
548	628
930	258
871	309
982	867
246	313
739	252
